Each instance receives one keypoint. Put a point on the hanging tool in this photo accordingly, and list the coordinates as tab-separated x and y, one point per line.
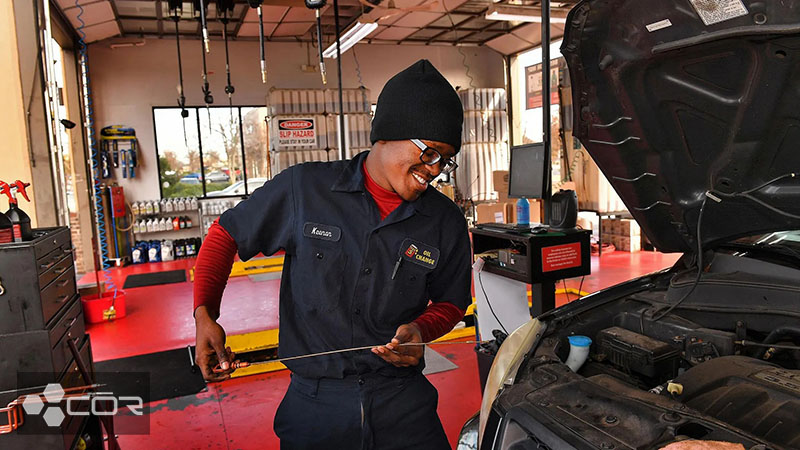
175	11
207	97
257	4
243	364
14	410
225	6
21	222
317	6
203	5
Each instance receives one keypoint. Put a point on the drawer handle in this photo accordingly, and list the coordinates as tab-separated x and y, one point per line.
61	270
63	299
2	289
71	323
63	282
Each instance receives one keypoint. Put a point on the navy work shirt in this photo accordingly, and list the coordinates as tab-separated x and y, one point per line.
337	289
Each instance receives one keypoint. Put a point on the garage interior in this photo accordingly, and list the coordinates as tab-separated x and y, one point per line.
131	126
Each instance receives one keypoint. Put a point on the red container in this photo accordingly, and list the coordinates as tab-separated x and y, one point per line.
94	307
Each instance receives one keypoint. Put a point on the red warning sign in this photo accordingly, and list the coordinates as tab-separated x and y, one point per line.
560	257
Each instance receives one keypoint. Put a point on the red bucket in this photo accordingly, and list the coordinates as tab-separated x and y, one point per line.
96	309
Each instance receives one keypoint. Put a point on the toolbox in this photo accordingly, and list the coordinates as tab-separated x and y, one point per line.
40	315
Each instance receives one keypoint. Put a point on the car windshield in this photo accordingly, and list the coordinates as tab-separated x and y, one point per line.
790	238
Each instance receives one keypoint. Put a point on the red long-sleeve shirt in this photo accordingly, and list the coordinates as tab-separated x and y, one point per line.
217	253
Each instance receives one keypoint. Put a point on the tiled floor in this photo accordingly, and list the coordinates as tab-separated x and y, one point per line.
237	414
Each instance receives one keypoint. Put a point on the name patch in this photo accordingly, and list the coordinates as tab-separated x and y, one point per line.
419	253
321	231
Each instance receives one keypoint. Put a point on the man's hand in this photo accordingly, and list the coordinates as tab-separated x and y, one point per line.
402	356
210	347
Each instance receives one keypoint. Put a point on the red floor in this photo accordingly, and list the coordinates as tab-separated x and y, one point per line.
237	414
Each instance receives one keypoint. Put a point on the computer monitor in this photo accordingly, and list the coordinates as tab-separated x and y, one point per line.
527	174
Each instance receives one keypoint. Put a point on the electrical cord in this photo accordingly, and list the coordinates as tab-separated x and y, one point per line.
699	263
102	237
565	289
458	48
480	281
580	288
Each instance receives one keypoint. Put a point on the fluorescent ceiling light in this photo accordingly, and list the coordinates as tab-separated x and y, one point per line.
521	13
350	38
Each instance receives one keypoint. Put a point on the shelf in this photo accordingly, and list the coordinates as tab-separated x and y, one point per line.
167	231
164	213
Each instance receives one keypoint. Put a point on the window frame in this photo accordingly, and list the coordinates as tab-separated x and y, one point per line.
198	110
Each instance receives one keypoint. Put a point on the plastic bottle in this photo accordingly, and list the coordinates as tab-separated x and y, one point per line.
176	223
20	222
167	250
6	229
181	205
168	205
154	251
188	222
135	209
148	208
180	250
136	253
182	222
193	203
523	212
156	206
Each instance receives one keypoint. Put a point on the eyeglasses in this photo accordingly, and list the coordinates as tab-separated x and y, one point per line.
430	156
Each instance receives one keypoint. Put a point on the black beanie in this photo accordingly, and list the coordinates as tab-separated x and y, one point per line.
418	103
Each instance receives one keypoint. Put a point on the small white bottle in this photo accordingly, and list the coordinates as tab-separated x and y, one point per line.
135	209
148	208
156	207
149	225
181	205
168	205
193	203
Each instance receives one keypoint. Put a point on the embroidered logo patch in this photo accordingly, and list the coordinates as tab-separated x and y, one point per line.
321	231
419	253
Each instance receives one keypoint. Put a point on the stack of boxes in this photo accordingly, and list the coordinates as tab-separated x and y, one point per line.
304	125
624	234
485	143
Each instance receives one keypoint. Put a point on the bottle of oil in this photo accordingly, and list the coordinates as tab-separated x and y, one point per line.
21	222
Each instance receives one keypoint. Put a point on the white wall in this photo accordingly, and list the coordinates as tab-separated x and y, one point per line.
127	82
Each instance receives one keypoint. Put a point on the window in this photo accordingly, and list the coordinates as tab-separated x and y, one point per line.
214	152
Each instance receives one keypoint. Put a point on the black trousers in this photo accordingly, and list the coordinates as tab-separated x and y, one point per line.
361	413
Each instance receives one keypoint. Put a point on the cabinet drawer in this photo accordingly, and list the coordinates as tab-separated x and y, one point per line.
71	320
57	293
62	354
55	264
55	238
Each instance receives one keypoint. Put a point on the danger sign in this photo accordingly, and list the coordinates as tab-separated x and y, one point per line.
560	257
297	132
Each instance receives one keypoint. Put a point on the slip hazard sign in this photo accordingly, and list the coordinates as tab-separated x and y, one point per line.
560	257
297	132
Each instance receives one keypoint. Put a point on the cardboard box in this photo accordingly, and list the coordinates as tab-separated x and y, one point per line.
500	179
627	244
448	190
491	213
629	227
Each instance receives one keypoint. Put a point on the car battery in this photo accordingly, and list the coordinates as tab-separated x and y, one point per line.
634	352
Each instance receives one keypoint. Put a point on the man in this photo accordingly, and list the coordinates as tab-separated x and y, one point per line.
368	243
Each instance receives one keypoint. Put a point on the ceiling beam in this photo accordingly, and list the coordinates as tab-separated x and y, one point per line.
455	26
240	21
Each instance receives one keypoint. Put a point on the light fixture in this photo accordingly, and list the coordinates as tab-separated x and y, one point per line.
522	13
351	38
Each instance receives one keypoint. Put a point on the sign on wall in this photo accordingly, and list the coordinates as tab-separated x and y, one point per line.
297	132
533	83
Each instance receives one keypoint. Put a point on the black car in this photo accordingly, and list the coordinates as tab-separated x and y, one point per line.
691	108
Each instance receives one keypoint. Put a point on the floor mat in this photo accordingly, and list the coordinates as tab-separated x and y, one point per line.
155	278
171	375
435	362
269	276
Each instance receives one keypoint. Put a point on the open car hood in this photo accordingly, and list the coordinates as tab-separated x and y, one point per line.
674	99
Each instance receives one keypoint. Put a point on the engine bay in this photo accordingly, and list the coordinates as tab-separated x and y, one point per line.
701	372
